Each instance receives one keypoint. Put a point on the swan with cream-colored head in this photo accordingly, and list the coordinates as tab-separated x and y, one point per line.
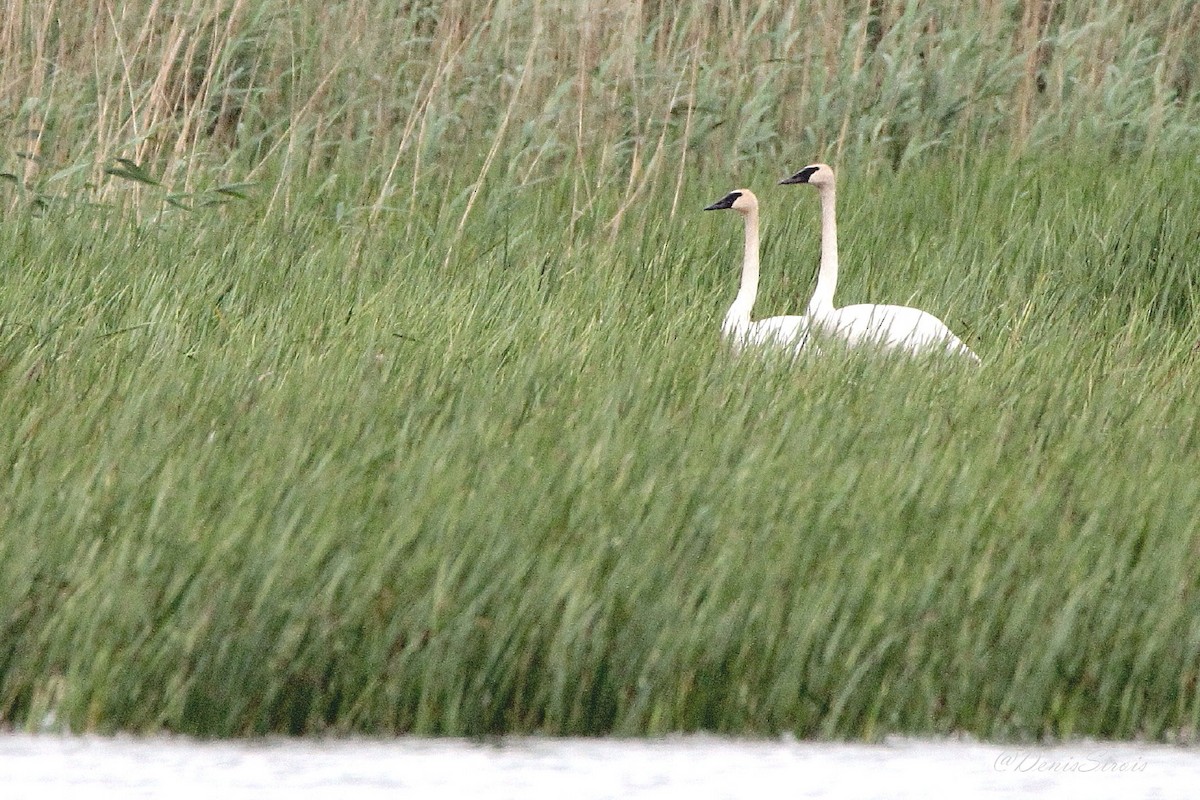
890	326
738	328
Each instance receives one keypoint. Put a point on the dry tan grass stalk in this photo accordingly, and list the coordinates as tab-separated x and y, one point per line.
497	140
186	88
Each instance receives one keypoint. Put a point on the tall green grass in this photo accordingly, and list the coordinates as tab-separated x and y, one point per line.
285	473
359	371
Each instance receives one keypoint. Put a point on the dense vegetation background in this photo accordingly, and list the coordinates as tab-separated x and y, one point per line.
359	369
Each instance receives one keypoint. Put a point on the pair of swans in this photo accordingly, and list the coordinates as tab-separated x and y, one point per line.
889	326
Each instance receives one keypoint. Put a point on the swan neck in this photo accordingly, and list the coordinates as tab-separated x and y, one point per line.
822	299
739	313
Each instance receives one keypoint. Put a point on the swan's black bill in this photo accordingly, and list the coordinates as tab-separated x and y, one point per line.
725	202
800	177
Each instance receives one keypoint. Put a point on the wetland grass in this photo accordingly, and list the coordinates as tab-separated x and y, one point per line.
430	430
287	490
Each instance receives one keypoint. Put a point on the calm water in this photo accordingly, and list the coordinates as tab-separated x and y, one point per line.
47	766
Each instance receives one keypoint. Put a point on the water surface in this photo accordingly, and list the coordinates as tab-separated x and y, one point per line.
43	766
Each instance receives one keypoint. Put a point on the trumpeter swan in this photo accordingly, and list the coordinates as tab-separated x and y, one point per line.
789	331
891	326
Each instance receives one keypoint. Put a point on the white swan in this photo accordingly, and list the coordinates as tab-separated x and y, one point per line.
891	326
788	331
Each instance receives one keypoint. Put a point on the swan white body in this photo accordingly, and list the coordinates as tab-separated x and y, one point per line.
738	328
890	326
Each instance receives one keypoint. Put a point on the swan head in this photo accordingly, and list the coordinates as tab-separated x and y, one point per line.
741	200
815	174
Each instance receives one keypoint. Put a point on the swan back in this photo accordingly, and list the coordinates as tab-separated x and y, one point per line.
892	326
